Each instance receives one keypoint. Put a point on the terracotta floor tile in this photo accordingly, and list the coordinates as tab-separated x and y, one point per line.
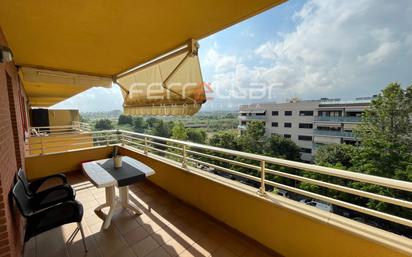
168	227
135	235
145	246
237	246
223	252
159	252
175	247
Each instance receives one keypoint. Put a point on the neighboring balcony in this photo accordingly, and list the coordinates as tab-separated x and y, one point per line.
252	117
199	204
332	133
337	119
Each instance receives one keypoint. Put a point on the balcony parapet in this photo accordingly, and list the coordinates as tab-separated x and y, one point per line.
337	119
331	133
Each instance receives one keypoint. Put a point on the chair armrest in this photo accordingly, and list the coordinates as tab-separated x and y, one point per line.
54	216
36	184
37	201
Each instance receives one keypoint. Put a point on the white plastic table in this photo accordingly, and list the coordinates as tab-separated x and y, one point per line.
102	175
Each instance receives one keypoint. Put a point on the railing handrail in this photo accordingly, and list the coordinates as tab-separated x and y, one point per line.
192	154
387	182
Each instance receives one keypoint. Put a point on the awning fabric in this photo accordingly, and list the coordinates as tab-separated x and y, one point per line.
107	38
46	87
171	86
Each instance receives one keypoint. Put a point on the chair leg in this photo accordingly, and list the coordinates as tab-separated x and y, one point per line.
83	238
73	235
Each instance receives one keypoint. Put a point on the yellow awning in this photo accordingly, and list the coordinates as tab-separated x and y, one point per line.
107	38
46	87
172	85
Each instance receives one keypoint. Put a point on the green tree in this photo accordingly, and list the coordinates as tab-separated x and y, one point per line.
139	125
252	139
151	122
161	128
255	129
336	156
281	147
386	134
179	131
103	124
125	119
386	144
225	139
196	135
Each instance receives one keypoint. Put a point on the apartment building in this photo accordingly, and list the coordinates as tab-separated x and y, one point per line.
336	119
308	123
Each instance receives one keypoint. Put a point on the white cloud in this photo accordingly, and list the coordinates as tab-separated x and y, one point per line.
338	49
94	99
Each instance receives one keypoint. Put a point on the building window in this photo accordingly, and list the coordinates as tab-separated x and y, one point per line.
275	113
261	113
305	150
288	113
306	113
243	114
274	124
305	138
306	125
287	136
288	125
243	123
330	113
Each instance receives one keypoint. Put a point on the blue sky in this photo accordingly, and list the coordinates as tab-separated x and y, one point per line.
307	49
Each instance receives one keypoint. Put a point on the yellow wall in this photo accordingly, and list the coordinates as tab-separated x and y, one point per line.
63	117
286	231
58	143
48	164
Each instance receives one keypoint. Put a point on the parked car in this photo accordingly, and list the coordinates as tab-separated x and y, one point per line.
318	204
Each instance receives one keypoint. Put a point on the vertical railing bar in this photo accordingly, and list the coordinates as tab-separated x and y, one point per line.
184	159
42	145
262	190
145	146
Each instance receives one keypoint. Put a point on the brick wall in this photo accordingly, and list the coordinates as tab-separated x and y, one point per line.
11	156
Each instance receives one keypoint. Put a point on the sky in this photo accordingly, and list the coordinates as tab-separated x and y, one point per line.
306	49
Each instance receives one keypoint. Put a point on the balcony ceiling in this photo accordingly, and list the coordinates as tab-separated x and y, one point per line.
106	38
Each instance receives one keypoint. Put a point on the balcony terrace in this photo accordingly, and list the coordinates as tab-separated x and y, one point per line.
189	211
168	227
333	133
348	119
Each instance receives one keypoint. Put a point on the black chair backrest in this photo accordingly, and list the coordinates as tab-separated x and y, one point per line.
22	199
22	177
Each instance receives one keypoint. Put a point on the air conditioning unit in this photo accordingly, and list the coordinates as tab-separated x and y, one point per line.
5	54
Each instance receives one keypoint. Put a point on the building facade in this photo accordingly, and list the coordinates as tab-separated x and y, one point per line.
308	123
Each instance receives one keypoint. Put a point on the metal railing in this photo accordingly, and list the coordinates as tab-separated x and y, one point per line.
260	171
252	117
76	126
63	141
332	133
348	119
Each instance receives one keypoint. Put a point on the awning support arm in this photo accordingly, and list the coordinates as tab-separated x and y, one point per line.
191	48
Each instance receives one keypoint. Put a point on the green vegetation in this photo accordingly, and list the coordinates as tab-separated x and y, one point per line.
385	150
103	124
385	147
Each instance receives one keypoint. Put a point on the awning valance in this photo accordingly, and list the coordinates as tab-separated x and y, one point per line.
171	85
46	87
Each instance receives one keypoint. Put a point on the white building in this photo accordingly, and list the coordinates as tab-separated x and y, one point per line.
308	123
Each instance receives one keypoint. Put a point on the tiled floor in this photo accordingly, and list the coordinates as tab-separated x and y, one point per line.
167	228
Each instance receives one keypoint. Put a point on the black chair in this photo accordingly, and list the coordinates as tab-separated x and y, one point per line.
39	221
50	196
